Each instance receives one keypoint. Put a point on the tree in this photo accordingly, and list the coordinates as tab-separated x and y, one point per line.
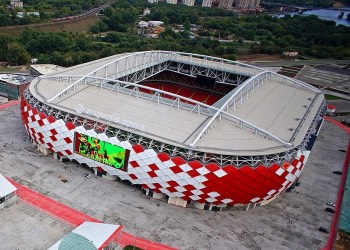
17	55
4	41
107	51
108	11
187	25
112	37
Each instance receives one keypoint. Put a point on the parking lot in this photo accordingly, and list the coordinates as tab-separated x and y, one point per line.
266	227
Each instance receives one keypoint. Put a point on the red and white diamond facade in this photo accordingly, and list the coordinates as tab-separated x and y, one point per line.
198	129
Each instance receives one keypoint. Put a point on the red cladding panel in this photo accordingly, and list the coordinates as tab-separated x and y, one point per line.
212	167
176	169
178	161
163	157
138	149
70	125
51	119
195	164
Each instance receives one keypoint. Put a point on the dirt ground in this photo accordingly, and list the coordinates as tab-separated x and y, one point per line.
259	57
337	4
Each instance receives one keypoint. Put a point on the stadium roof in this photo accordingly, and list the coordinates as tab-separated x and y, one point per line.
265	114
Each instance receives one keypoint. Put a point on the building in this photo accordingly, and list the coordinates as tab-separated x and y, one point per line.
143	24
22	14
153	1
7	192
155	23
187	128
12	86
290	53
16	4
188	2
247	4
206	3
225	4
146	11
171	1
42	69
89	235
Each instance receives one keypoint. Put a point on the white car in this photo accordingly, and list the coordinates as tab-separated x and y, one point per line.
331	204
88	176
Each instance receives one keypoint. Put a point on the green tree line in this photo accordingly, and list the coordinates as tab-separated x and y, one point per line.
117	33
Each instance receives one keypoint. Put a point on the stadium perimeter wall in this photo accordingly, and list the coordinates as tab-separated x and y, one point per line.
205	185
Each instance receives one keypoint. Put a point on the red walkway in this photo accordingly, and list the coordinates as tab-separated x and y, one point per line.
75	218
54	208
8	104
337	123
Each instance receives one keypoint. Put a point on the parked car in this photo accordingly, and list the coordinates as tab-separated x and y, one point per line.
330	210
322	229
346	122
331	204
88	176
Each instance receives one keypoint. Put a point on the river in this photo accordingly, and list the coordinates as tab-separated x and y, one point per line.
327	14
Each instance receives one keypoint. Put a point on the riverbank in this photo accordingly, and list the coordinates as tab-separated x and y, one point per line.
330	14
338	5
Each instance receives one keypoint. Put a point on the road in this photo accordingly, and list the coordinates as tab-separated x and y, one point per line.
295	63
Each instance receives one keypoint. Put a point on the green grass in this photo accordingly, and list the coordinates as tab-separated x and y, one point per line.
81	26
342	113
11	69
332	97
131	248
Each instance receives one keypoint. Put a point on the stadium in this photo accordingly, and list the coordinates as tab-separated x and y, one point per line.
188	128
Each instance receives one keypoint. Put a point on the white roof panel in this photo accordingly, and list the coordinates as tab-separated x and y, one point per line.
276	112
6	187
96	233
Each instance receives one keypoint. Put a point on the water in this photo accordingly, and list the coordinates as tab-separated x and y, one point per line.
345	209
327	14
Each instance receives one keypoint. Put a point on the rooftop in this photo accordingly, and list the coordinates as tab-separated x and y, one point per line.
15	79
44	69
6	187
266	114
89	235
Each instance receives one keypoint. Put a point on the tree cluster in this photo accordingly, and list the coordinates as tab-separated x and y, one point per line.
47	9
225	36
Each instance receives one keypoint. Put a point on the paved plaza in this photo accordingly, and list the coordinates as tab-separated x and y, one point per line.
113	202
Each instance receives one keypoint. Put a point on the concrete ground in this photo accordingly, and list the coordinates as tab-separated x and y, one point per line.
264	227
23	227
326	77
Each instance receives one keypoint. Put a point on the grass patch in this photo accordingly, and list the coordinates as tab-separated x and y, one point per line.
11	69
131	248
332	97
342	113
79	25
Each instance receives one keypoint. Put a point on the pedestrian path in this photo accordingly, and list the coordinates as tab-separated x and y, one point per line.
8	104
